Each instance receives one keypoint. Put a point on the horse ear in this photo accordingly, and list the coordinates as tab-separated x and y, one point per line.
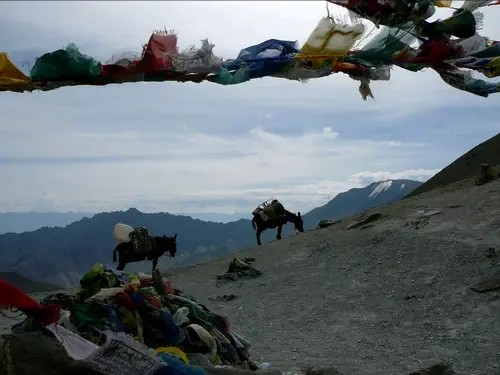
175	236
298	214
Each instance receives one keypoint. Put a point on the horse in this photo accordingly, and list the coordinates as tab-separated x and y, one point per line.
260	225
160	245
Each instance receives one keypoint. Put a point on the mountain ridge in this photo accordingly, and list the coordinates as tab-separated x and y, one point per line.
20	222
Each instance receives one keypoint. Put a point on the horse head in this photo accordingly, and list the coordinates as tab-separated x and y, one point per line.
298	222
169	244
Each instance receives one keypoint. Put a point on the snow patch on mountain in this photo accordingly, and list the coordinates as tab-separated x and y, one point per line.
381	187
402	187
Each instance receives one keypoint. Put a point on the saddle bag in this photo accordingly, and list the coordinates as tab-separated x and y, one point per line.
141	241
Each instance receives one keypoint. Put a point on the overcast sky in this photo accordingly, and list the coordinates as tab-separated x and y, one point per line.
185	147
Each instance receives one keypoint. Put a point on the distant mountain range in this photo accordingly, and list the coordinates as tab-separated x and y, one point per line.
62	255
219	217
19	222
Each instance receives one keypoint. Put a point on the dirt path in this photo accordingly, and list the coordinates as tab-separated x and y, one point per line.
388	299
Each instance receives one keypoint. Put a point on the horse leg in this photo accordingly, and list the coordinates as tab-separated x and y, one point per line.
257	233
121	266
278	234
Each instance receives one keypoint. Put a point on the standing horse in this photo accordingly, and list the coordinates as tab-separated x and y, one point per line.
260	225
159	246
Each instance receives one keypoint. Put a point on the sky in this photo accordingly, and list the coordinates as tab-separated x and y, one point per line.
200	148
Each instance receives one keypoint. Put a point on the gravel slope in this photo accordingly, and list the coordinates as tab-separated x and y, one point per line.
388	299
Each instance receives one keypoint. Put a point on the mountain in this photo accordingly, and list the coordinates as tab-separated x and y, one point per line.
358	200
218	217
466	166
62	255
27	285
18	222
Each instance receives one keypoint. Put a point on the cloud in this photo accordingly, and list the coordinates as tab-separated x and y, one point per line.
329	133
209	148
186	171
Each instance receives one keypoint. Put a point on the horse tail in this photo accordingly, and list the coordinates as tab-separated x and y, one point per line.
114	254
253	223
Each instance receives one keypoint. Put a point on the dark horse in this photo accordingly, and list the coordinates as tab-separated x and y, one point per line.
160	245
287	217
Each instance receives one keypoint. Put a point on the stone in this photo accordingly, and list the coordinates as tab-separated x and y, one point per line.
441	368
487	285
365	220
490	252
486	174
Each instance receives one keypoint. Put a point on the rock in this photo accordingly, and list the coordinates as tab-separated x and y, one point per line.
365	220
486	174
327	223
321	248
490	252
432	213
486	285
320	371
413	296
225	297
419	223
441	368
367	226
427	214
452	206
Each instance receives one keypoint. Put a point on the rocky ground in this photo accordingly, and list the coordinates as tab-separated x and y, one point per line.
388	297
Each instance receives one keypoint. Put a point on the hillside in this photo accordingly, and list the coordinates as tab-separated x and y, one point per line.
85	242
387	299
29	286
18	222
358	200
466	166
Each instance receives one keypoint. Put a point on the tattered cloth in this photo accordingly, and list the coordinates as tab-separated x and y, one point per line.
141	241
13	297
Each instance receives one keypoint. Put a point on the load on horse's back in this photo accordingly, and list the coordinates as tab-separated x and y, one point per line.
137	245
270	211
269	215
